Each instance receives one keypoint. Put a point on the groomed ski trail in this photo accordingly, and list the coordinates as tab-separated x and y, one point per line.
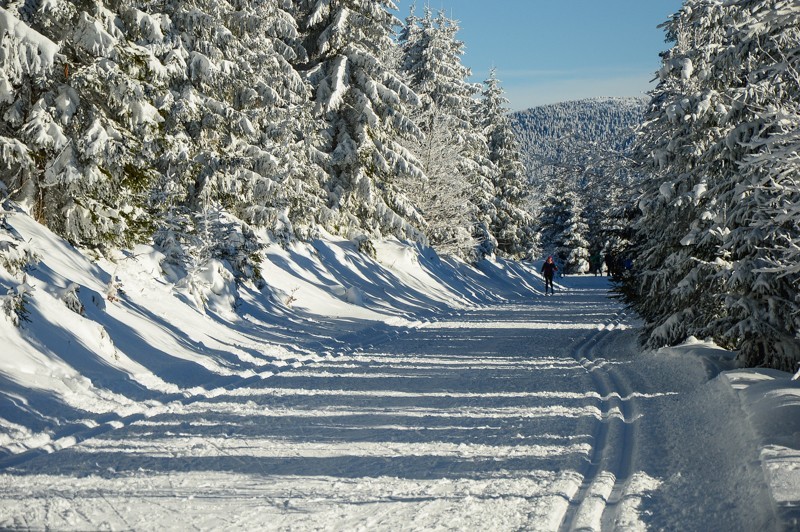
526	416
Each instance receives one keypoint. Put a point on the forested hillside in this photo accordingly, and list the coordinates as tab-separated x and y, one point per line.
562	134
577	159
211	128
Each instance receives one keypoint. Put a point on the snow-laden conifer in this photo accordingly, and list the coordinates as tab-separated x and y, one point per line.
364	107
512	226
237	135
762	232
676	285
87	123
563	231
715	228
456	195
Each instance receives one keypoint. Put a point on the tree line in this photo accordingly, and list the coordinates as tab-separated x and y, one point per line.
715	227
210	128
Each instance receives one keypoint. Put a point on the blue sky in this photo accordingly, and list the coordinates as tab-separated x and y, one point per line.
547	51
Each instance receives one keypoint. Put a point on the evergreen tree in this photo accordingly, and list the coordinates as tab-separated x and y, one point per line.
512	226
762	290
715	227
563	232
365	108
16	257
237	134
280	180
432	62
479	170
28	61
88	124
676	287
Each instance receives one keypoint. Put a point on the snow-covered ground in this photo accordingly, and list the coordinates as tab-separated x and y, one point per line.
404	392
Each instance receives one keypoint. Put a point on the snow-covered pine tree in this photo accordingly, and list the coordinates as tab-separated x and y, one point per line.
86	124
431	60
763	196
281	180
676	285
238	138
563	231
28	60
512	226
16	257
715	225
479	170
207	125
365	107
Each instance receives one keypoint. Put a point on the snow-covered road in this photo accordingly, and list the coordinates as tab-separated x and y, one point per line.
539	415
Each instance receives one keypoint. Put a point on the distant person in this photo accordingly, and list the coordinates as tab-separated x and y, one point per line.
595	264
610	260
549	270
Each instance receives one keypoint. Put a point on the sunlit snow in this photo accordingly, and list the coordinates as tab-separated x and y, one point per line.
442	397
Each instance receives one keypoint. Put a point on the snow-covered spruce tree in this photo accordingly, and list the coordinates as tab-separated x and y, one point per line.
603	214
715	221
237	135
202	131
512	226
364	106
563	231
763	196
87	124
280	180
28	60
762	295
479	170
16	257
431	61
676	285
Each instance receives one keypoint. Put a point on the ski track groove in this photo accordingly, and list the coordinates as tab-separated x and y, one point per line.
595	506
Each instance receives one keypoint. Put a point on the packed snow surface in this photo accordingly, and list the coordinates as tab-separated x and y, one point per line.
351	393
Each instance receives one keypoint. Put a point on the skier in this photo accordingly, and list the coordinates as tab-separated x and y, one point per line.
549	269
595	264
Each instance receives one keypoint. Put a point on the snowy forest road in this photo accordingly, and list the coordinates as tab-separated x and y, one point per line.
536	415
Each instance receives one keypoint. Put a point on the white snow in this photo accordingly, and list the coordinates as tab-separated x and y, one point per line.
408	391
35	53
91	36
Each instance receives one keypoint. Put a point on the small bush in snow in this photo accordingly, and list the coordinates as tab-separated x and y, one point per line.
16	257
14	303
69	296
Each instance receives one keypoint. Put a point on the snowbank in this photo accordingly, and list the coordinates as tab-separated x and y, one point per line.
770	401
123	336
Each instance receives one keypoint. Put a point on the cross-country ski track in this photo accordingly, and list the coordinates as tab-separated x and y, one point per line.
541	414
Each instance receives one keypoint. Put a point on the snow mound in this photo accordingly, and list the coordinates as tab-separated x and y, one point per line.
771	401
126	335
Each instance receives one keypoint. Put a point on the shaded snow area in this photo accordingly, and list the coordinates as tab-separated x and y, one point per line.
405	392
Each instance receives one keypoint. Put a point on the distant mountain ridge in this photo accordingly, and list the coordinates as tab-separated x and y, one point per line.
548	134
